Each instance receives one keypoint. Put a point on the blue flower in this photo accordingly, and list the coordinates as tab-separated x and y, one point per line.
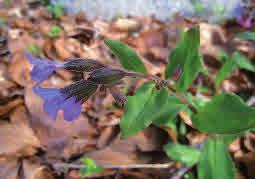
42	68
68	99
54	101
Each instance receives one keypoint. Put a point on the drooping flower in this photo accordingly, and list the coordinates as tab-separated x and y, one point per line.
42	68
68	99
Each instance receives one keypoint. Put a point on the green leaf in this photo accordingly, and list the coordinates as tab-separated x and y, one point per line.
229	138
186	57
243	62
246	35
215	162
142	109
195	101
223	56
183	153
90	167
34	49
54	32
127	56
224	114
56	9
228	67
169	112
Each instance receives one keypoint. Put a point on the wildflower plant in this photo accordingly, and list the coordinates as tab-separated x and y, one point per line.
158	101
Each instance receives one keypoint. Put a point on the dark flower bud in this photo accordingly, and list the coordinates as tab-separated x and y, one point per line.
107	76
82	65
118	96
80	90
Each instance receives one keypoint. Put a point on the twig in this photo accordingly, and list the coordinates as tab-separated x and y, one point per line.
108	166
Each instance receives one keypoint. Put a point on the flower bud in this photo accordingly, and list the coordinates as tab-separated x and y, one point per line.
118	96
82	65
107	76
81	90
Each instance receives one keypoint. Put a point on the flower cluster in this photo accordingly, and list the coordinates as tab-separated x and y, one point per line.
70	98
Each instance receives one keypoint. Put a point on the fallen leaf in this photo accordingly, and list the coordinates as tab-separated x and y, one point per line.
33	170
9	168
19	70
17	139
4	109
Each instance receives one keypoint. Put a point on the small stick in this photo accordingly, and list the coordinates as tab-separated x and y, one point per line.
108	166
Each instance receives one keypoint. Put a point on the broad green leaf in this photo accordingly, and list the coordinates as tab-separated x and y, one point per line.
247	35
185	57
228	67
168	114
142	109
90	167
215	161
127	56
224	114
191	68
183	153
243	62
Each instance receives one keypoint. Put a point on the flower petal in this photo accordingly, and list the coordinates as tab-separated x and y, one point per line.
71	109
54	101
42	68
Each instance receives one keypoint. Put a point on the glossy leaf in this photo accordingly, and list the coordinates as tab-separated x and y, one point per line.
224	114
186	57
228	67
247	35
127	56
243	62
141	109
90	167
183	153
215	161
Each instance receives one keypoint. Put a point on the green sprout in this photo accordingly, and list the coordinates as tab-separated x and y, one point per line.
218	9
90	167
198	8
34	49
54	32
57	10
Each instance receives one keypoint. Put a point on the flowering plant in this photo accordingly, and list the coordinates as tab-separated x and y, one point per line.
159	101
